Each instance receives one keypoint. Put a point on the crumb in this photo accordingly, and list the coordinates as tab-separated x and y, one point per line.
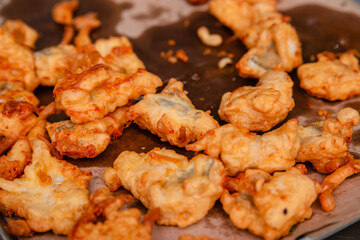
181	55
233	79
143	148
202	99
186	23
312	58
323	112
230	55
223	62
207	51
162	54
222	53
231	39
172	59
171	42
309	105
195	77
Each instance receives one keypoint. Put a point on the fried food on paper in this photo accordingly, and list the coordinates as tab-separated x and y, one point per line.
12	165
98	91
269	206
183	190
261	107
240	149
333	77
104	219
88	139
326	143
17	61
118	54
332	181
50	195
273	43
191	237
171	115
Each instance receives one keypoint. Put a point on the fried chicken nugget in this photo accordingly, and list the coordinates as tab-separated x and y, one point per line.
240	149
183	190
269	206
104	219
96	92
333	77
273	43
332	181
171	115
88	139
17	61
50	195
262	107
326	143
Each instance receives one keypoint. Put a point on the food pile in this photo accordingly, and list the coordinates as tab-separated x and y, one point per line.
253	168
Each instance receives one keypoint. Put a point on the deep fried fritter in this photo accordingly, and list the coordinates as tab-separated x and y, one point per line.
273	43
96	92
16	61
269	206
171	115
12	165
20	32
262	107
326	143
118	54
191	237
85	24
62	12
332	181
104	219
333	77
183	190
50	195
88	139
240	149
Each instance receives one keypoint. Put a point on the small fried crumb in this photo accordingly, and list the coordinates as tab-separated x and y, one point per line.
172	59
207	51
310	106
202	99
230	55
181	55
171	42
222	53
143	148
323	112
223	62
312	58
231	39
186	23
162	54
195	77
212	40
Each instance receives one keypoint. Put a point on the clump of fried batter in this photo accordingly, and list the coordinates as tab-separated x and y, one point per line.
266	205
261	107
273	43
50	195
240	149
183	190
326	143
171	115
98	91
333	77
17	61
88	139
104	219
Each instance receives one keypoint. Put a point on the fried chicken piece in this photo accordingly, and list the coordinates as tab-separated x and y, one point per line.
191	237
95	92
183	190
333	77
104	219
262	107
269	206
50	195
273	43
171	115
62	12
16	61
88	139
85	24
12	165
326	143
118	54
240	149
21	33
332	181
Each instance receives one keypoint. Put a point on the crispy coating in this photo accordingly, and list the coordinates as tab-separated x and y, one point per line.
85	24
62	12
273	43
261	107
118	54
88	139
326	143
332	181
96	92
240	149
104	219
21	33
50	195
269	206
333	77
183	190
191	237
17	61
171	115
12	165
